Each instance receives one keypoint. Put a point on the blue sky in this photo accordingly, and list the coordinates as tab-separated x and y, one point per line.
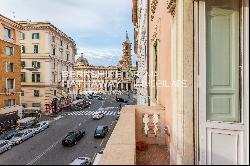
97	26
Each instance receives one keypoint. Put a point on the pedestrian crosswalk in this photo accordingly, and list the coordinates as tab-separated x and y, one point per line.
90	113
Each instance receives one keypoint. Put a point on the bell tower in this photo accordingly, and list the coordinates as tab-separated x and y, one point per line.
126	61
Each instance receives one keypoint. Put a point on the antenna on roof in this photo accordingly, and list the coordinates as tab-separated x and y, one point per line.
13	15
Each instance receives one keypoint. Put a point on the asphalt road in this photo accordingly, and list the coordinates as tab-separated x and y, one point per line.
46	148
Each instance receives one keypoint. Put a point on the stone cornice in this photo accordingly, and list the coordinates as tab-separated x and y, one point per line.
171	5
44	26
11	22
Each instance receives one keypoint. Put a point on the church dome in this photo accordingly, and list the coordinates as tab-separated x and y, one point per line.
82	60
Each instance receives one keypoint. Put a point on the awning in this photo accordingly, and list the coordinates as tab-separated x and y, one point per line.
6	118
32	110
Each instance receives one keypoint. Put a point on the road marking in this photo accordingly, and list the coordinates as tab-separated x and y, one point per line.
93	158
101	142
42	154
50	148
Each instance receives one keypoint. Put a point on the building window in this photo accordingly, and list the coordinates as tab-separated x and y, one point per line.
36	93
124	75
35	36
36	64
67	46
22	92
54	78
9	51
53	39
9	67
67	57
54	51
23	64
36	77
7	32
10	102
10	84
54	92
61	43
22	36
54	65
36	49
36	104
22	49
23	77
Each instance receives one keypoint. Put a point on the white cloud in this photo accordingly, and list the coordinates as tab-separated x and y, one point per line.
101	56
97	26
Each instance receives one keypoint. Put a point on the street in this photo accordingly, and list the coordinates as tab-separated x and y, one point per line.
46	148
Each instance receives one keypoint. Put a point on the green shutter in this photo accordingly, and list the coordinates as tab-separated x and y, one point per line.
223	64
38	36
38	77
38	64
33	35
33	78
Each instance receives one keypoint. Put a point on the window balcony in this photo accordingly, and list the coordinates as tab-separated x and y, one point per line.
139	138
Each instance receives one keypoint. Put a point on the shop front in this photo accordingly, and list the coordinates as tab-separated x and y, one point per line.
8	121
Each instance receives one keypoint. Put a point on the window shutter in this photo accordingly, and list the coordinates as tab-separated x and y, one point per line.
33	77
38	65
38	77
38	36
33	35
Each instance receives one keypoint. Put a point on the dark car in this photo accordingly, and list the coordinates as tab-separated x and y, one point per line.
101	131
10	134
80	97
72	138
119	99
90	97
100	98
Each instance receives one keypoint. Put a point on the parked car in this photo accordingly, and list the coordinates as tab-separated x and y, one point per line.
101	131
90	97
81	161
41	126
26	123
119	99
22	136
72	138
118	115
100	98
98	115
10	134
5	145
80	97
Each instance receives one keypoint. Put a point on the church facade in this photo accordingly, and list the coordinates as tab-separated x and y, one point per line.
122	77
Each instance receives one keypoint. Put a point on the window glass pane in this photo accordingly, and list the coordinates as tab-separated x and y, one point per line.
9	50
10	84
222	41
38	77
22	36
6	32
9	67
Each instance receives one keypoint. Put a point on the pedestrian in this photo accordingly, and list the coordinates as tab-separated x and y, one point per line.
120	106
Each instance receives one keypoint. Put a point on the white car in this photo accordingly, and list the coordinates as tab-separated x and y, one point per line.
98	115
41	126
81	161
5	145
22	136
